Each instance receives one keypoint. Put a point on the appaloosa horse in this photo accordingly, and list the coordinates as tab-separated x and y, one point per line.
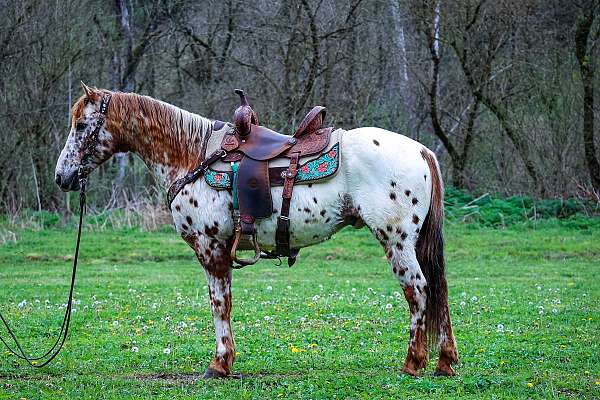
385	180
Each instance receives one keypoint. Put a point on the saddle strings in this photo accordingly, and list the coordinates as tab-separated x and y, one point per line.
51	354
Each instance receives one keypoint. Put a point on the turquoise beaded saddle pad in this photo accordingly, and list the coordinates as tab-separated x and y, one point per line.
322	167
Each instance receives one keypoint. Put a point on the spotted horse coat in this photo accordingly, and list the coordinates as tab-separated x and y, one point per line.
386	181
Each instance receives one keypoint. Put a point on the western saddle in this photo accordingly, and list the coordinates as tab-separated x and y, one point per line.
252	146
249	147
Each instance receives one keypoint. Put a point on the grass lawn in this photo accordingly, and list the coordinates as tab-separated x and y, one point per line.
525	304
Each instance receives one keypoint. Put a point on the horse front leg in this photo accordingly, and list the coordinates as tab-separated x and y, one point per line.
219	288
216	260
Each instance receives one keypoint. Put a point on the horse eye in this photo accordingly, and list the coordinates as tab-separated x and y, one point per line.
80	126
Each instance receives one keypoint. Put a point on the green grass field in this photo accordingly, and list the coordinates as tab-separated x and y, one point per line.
525	304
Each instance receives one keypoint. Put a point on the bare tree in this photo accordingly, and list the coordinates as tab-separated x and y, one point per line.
586	50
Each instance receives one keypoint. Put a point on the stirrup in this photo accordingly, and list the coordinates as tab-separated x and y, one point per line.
244	262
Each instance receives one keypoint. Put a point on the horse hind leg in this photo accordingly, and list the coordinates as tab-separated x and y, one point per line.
446	341
406	269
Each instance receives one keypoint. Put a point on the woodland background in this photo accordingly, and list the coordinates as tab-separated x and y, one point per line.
502	91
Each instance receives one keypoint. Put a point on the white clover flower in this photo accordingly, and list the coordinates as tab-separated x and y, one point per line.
288	287
269	288
388	306
267	318
316	297
474	299
115	323
22	304
135	349
167	351
353	290
379	333
500	328
462	304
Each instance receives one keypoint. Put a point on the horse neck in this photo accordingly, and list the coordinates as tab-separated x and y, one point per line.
168	139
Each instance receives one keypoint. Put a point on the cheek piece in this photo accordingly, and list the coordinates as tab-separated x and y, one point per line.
90	142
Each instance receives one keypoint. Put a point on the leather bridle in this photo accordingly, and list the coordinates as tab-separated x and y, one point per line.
90	142
51	354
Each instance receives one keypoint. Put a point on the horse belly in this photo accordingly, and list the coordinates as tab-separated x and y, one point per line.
314	214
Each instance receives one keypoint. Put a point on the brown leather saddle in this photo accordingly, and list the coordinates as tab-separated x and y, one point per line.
250	147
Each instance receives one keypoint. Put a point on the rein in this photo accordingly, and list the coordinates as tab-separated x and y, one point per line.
51	354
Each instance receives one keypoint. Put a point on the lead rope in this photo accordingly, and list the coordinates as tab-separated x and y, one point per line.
64	329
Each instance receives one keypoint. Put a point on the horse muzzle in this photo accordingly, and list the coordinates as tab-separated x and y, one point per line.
68	182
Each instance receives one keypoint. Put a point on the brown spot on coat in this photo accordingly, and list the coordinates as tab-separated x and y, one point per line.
376	142
407	192
414	200
315	200
393	196
177	208
393	184
322	213
399	246
189	220
383	235
211	231
403	235
415	219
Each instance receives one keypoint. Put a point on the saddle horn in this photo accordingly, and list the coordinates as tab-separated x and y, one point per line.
244	116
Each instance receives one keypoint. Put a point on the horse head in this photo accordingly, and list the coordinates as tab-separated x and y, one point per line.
89	143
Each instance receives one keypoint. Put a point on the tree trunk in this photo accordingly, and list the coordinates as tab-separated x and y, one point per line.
407	93
585	59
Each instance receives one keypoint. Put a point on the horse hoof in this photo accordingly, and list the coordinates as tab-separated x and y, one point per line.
214	374
409	371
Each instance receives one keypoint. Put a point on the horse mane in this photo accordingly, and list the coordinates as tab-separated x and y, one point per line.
158	131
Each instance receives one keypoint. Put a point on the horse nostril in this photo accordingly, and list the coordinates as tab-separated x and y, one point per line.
57	180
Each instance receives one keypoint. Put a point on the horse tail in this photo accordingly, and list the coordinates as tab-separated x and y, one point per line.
430	253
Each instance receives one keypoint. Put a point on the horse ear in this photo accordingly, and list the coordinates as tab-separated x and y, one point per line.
89	92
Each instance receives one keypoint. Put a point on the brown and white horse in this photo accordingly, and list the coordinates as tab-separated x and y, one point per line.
385	180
